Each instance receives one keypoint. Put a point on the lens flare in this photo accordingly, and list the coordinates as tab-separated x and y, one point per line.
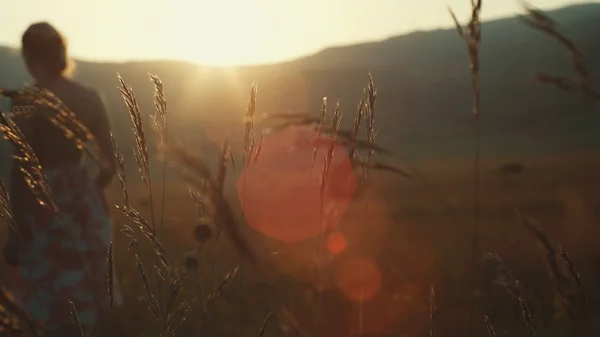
283	193
359	279
336	243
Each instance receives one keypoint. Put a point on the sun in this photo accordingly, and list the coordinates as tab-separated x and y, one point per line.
219	33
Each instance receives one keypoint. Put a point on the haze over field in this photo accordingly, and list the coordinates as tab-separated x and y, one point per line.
234	32
422	77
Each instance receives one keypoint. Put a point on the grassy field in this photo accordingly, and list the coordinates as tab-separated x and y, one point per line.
419	234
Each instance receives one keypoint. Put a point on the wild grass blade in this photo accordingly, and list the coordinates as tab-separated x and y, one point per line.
488	325
263	328
76	319
160	122
432	311
575	275
6	208
111	276
28	162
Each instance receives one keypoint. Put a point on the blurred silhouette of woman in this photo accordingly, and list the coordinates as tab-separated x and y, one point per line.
61	257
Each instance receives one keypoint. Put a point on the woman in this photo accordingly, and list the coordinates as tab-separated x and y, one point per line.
61	257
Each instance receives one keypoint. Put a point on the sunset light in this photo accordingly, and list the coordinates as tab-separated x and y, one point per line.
331	168
230	32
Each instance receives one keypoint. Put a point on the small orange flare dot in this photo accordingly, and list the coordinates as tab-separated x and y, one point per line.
336	242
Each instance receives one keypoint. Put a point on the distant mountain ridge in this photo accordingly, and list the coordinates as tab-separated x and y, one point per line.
423	81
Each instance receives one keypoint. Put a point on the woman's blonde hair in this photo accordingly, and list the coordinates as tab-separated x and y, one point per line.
43	44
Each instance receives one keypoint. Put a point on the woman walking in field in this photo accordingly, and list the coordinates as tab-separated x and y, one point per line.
61	257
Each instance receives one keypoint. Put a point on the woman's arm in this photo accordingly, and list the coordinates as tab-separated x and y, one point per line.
101	131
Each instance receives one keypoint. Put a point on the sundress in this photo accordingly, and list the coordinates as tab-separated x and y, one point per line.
64	255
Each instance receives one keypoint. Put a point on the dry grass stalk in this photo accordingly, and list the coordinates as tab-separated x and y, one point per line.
348	139
193	163
552	263
232	159
76	319
489	327
169	313
336	119
222	174
374	165
249	123
472	36
8	301
136	218
513	286
371	134
160	122
160	104
28	99
320	128
260	147
198	198
538	20
212	203
285	121
370	114
345	135
432	311
29	164
328	158
554	269
111	276
174	310
196	173
141	149
164	270
9	324
120	170
149	297
6	208
213	296
575	275
175	318
353	137
263	327
153	305
200	178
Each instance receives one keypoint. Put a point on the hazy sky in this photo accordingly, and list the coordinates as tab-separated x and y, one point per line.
232	31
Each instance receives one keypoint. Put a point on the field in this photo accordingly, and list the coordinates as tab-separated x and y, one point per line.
419	234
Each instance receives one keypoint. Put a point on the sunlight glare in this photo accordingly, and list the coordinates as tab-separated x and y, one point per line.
218	33
336	243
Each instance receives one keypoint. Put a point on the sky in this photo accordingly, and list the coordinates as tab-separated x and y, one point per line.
233	32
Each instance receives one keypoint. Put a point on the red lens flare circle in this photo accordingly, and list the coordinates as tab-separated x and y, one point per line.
281	190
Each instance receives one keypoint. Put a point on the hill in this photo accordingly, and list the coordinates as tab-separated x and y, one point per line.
423	81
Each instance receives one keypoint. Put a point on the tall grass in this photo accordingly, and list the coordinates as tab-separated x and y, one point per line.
471	34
